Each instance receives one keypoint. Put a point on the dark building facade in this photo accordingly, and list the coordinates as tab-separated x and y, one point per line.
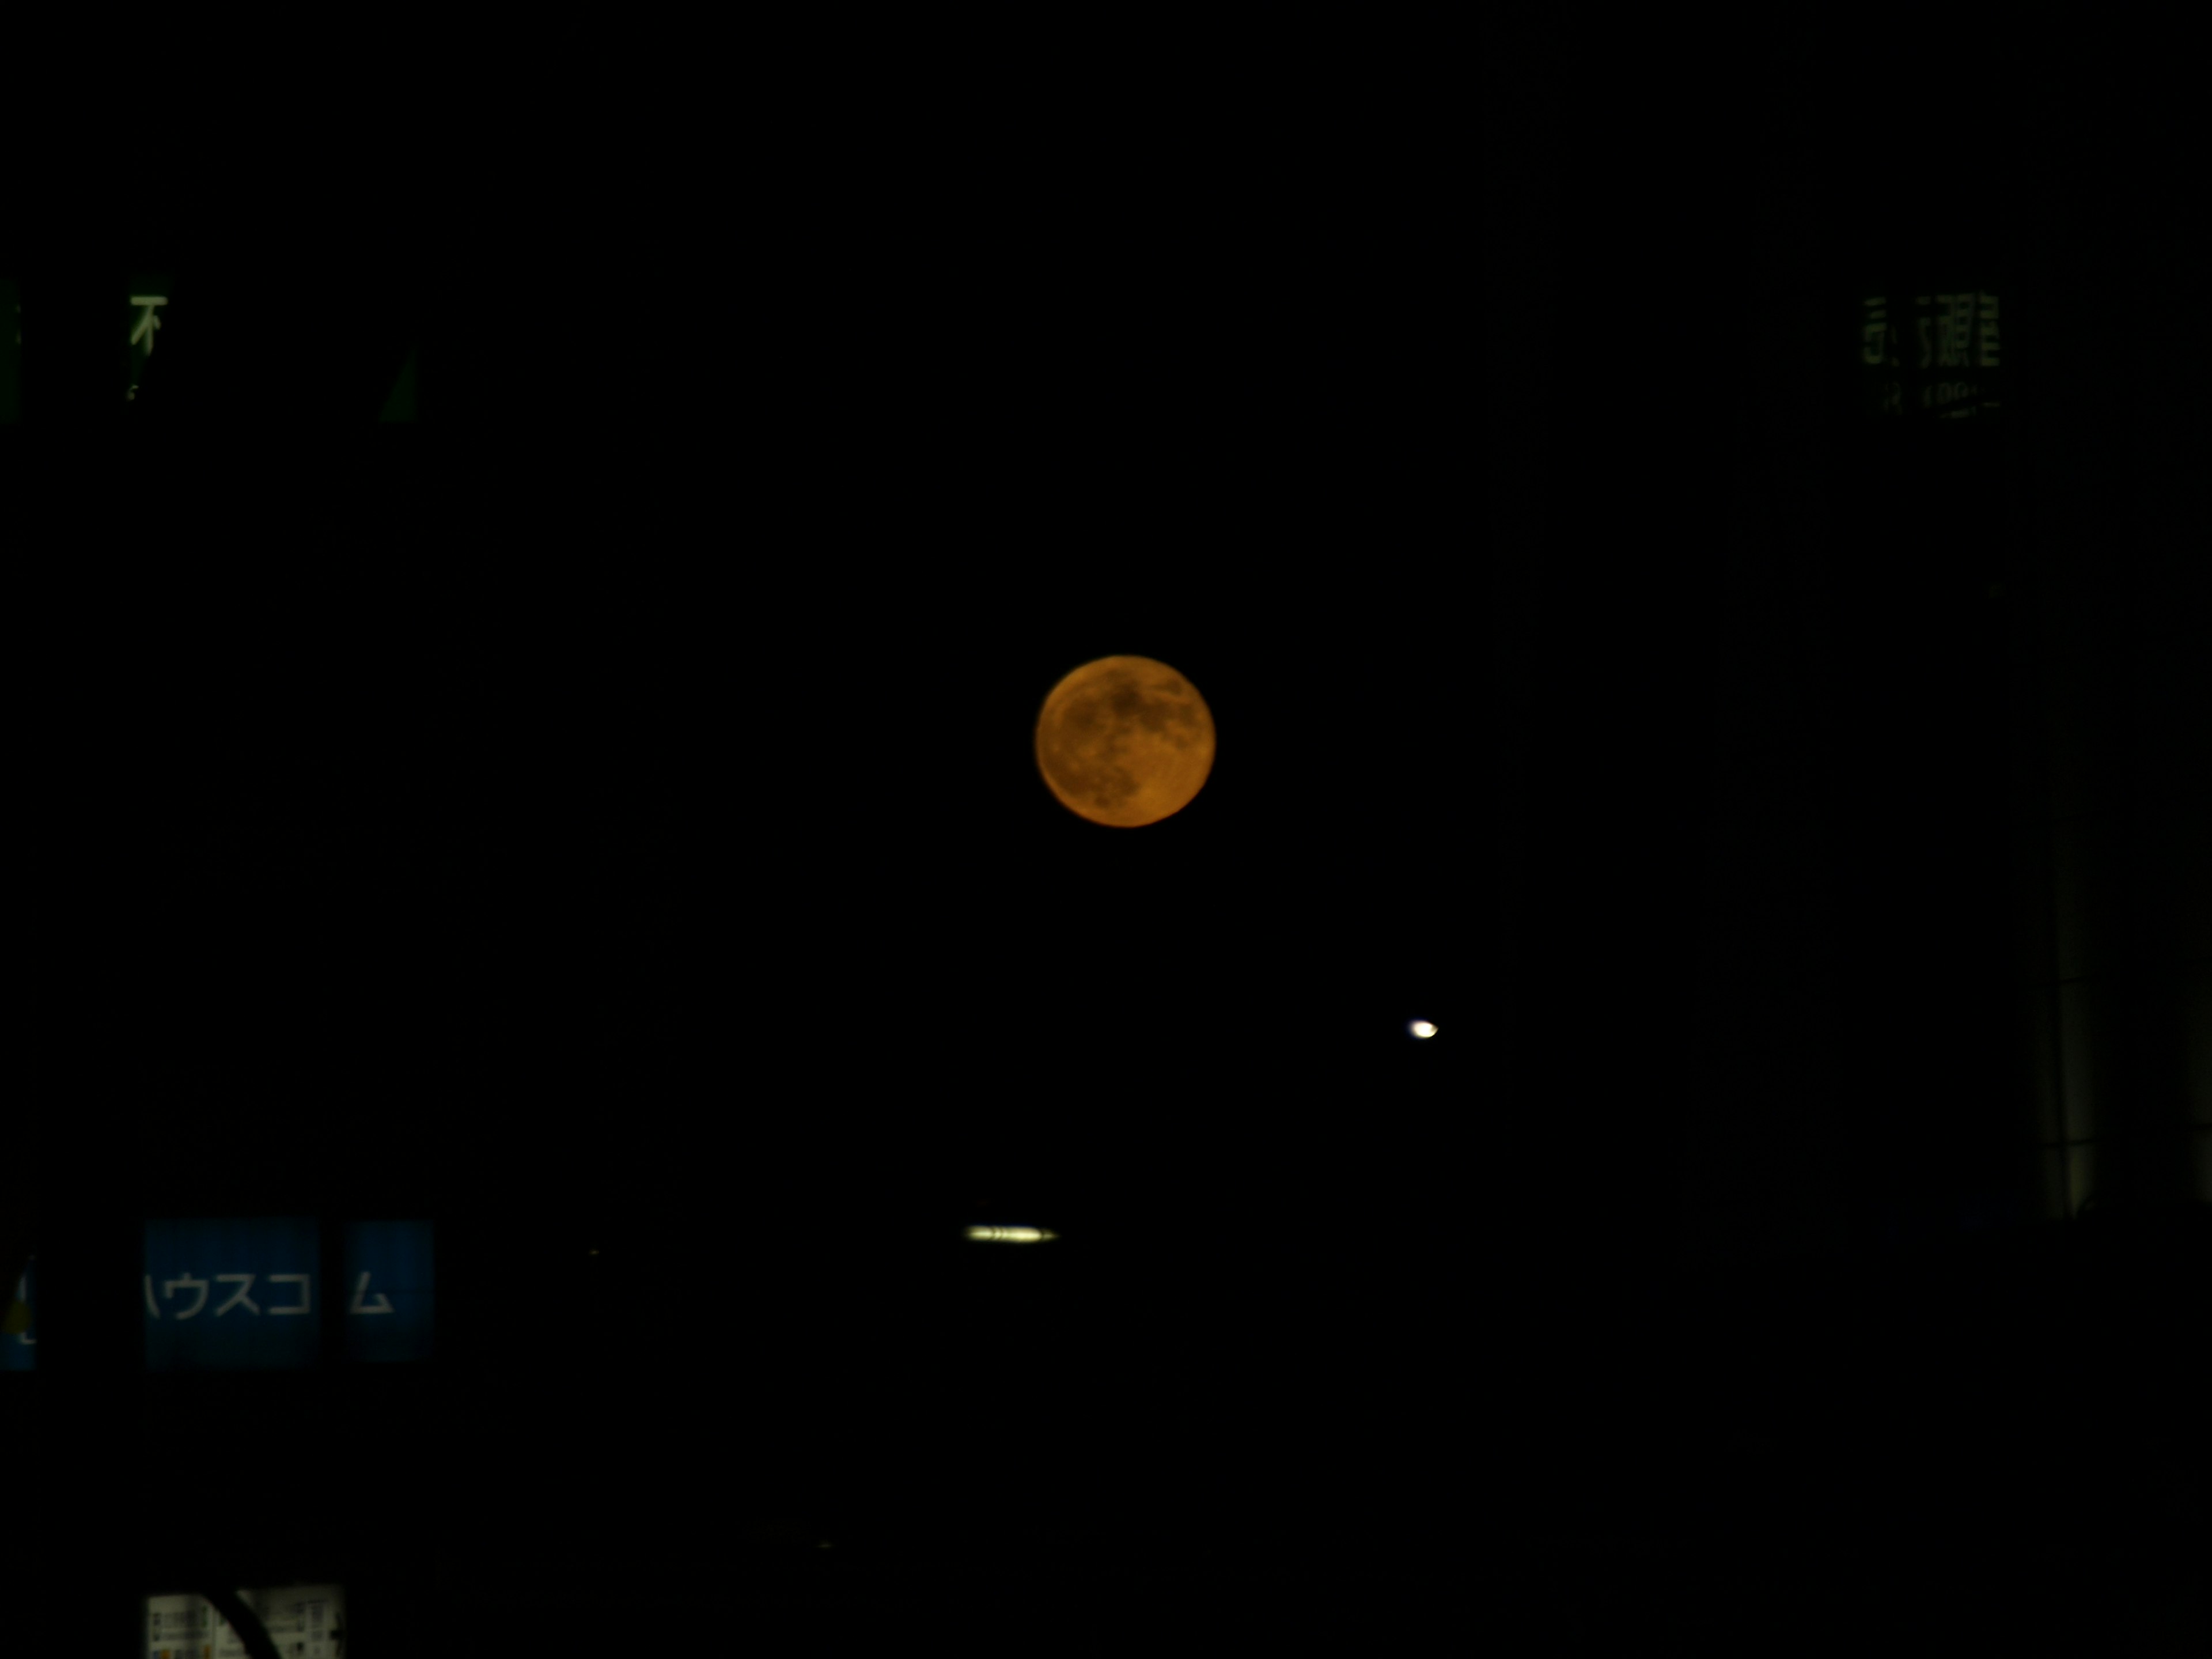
1855	879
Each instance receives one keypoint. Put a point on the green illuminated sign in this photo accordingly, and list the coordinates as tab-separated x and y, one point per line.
144	314
1930	355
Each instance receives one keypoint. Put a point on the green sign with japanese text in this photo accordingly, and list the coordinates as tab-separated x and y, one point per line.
1931	353
141	313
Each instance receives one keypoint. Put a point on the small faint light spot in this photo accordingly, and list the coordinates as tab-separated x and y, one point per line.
595	1250
1421	1027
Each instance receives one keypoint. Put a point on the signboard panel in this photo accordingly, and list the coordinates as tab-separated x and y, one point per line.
389	1286
247	1293
1931	353
231	1295
306	1621
140	311
142	314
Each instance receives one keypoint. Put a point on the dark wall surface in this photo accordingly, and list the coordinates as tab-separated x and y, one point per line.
1794	710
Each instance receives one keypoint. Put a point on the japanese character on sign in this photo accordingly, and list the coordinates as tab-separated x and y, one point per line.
1957	336
1953	343
245	1282
1961	334
1879	340
147	324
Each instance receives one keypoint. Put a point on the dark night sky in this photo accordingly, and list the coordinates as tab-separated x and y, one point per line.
613	821
613	818
677	710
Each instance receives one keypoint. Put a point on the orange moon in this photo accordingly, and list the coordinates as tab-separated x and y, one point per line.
1125	741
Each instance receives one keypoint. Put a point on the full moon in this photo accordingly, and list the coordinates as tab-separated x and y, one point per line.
1125	741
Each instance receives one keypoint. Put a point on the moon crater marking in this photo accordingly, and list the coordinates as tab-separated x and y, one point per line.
1125	741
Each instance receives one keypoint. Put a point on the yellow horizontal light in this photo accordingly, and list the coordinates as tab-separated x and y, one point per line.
1010	1234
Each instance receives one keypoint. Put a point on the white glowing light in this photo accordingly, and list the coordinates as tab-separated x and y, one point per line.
1421	1027
1010	1234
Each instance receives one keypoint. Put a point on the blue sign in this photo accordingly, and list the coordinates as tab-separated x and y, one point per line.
248	1294
231	1295
389	1288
